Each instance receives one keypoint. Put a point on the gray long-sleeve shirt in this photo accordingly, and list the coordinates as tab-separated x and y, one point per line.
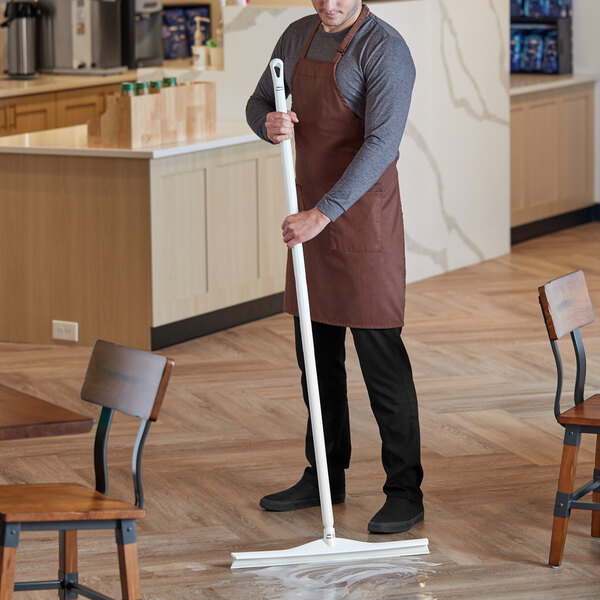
376	77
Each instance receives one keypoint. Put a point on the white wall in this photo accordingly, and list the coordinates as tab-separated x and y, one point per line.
454	160
586	57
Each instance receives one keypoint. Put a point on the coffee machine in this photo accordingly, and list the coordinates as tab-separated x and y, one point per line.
80	37
142	33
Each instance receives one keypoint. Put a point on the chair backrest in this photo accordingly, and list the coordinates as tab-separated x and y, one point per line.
567	307
129	381
566	304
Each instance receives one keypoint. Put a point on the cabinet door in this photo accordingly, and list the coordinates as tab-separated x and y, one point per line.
3	120
76	107
31	113
576	158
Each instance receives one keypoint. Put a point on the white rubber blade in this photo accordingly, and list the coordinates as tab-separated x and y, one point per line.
319	552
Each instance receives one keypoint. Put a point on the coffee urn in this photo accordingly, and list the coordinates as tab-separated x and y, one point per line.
21	25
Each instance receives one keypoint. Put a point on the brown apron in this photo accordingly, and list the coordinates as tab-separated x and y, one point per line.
355	267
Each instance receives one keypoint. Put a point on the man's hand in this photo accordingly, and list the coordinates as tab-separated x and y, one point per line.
303	226
280	126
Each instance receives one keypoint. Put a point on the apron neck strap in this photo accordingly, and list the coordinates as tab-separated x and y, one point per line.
364	13
310	39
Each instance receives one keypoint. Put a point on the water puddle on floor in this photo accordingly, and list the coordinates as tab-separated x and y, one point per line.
404	578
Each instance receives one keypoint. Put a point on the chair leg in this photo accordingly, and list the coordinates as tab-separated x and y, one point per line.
67	562
566	482
8	561
9	538
596	495
128	561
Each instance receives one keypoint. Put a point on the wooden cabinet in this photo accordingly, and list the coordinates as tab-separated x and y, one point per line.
552	153
76	107
36	112
27	113
216	230
136	243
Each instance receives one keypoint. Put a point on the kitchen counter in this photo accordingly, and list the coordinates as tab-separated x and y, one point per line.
144	247
72	141
46	82
531	83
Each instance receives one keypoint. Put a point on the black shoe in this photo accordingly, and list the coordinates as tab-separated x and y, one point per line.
396	515
302	495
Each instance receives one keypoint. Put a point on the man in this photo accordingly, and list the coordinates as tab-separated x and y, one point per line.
351	77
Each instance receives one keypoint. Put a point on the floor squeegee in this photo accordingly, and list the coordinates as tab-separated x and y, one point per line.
328	548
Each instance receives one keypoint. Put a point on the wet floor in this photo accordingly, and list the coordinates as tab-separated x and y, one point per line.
404	578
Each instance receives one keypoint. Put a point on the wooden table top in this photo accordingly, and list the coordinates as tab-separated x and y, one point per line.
25	416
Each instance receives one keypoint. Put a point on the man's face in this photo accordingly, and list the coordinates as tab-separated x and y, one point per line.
337	14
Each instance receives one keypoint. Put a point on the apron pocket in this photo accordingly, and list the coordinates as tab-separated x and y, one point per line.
359	228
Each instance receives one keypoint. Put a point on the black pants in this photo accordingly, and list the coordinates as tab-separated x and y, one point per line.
388	376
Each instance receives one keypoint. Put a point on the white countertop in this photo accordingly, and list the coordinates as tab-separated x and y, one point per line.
72	141
521	83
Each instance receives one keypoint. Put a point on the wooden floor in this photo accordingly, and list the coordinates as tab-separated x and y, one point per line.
232	430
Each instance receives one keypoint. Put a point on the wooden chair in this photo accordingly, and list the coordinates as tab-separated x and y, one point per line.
117	378
567	307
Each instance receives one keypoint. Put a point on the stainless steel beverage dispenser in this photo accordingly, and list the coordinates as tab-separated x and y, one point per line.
80	37
21	48
142	33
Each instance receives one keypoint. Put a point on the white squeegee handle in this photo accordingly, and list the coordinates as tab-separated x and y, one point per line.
304	315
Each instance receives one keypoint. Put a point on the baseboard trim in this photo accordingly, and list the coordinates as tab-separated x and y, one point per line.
522	233
187	329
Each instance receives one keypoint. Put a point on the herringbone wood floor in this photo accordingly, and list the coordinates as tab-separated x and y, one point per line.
232	429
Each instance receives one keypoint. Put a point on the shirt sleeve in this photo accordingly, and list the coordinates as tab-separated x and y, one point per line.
389	79
262	101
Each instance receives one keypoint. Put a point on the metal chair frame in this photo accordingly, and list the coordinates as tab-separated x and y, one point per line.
565	502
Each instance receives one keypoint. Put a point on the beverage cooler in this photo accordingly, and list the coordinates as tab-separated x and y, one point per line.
541	36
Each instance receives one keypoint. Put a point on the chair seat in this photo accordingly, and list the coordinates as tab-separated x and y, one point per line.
586	413
36	503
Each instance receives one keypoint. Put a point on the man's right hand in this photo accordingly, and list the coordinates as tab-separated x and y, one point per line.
280	126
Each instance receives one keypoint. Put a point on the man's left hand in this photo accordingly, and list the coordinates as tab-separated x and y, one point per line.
303	226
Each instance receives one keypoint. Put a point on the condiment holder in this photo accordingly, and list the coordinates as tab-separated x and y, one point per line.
173	114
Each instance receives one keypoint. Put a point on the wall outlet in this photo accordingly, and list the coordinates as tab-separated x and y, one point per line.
65	330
